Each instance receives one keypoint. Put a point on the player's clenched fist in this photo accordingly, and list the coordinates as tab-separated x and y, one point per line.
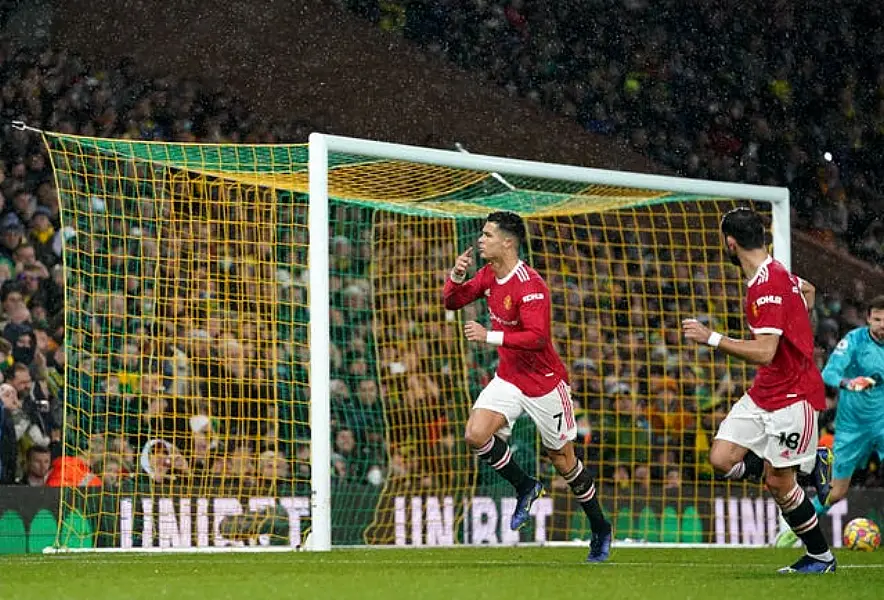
475	332
695	331
462	264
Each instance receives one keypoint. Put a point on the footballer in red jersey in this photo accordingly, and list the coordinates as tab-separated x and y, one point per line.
772	429
530	377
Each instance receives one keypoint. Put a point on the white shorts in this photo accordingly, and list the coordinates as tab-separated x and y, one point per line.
553	414
784	438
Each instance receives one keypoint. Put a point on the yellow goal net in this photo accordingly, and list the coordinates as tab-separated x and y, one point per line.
194	384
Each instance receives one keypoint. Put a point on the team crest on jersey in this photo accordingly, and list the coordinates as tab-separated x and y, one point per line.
507	302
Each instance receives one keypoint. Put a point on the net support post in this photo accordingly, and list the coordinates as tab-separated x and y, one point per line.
318	298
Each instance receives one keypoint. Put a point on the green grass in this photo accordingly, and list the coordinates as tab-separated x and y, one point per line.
470	573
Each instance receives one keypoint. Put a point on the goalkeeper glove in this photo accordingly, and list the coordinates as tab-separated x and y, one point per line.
859	384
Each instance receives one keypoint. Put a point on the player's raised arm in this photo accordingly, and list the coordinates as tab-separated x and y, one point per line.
839	361
458	291
760	350
835	373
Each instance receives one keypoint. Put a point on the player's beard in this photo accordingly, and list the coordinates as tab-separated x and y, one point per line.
733	257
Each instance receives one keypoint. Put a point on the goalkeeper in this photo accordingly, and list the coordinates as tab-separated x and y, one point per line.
856	367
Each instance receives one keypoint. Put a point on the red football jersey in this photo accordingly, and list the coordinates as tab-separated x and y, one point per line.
520	307
775	305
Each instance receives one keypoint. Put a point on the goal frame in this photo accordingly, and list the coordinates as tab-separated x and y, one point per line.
320	145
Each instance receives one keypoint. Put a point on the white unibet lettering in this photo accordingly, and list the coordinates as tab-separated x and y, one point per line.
173	534
417	524
399	520
769	300
836	511
466	520
719	521
296	508
202	522
225	507
541	509
484	522
126	523
530	297
440	523
773	520
752	518
733	514
258	505
507	535
147	528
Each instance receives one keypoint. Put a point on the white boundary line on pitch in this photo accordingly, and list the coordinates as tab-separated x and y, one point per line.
108	559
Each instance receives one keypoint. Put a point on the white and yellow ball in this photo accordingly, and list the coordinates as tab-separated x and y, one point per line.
862	534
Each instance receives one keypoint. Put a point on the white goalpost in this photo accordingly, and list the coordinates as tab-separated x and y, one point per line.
320	147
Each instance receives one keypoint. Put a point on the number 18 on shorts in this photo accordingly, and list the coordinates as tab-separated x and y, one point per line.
552	413
784	437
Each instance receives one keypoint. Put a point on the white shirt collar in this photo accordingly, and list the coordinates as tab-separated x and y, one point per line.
761	267
509	275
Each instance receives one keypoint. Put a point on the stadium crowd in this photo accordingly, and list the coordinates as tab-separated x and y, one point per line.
707	91
757	92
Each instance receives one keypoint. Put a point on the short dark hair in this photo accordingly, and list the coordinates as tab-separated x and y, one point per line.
876	303
510	223
745	226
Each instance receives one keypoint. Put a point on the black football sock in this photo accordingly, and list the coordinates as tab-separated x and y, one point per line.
751	467
497	454
801	517
583	486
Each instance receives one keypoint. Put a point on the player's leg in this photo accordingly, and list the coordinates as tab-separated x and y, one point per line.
582	484
852	449
553	415
817	471
496	408
799	513
792	440
837	492
740	439
820	476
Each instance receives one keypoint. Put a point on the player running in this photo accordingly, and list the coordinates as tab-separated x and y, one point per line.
530	375
776	419
856	366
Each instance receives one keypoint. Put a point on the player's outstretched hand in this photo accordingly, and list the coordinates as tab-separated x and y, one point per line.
475	332
860	384
463	263
695	331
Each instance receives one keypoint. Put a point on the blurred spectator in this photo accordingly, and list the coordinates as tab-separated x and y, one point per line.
8	438
37	461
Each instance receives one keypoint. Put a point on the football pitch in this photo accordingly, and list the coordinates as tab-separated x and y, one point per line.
470	573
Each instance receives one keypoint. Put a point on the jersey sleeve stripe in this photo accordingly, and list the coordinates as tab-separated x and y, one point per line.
767	330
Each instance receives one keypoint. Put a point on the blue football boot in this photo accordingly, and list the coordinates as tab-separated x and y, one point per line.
523	505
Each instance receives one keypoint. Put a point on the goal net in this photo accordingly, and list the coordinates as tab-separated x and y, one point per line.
223	393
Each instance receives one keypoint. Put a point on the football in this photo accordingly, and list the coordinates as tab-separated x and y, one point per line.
862	534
